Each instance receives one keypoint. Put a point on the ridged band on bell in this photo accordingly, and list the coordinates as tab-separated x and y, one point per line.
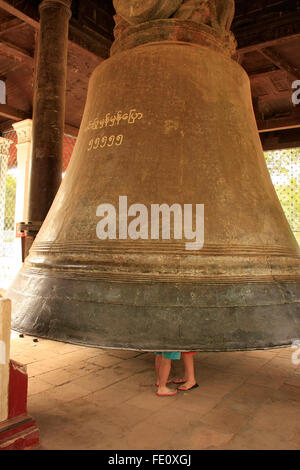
184	131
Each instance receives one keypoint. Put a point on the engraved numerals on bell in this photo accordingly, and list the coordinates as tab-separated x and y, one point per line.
101	142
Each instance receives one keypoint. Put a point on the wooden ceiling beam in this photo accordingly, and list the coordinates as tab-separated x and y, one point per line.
272	33
15	51
89	44
14	114
71	130
280	123
85	42
23	10
280	62
10	25
272	43
263	73
280	140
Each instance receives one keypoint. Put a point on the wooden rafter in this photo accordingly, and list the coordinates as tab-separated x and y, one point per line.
279	140
71	130
280	62
264	73
24	55
24	10
279	123
15	51
9	25
88	43
271	43
271	33
13	114
9	112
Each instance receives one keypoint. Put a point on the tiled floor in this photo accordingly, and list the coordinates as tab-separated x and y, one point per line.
86	398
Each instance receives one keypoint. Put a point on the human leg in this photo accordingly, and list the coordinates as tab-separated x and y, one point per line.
158	358
189	374
163	375
163	367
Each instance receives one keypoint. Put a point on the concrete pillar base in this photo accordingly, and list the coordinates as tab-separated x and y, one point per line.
19	431
19	434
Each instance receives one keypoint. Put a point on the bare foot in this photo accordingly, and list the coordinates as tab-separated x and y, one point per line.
188	385
165	391
179	381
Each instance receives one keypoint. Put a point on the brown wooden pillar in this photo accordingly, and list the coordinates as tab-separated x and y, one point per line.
49	108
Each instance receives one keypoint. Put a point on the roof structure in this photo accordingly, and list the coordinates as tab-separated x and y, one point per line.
267	33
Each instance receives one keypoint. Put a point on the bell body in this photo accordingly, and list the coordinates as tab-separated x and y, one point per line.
165	123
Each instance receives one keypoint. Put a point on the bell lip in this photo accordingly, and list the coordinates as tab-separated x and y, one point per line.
283	345
157	317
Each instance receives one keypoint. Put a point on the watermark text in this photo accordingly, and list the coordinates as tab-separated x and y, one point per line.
296	94
188	224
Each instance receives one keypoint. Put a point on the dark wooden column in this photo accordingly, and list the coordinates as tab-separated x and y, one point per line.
49	107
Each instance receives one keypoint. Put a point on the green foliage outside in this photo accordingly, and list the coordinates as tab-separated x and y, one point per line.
10	202
284	167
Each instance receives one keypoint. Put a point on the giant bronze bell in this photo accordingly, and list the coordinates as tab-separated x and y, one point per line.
168	120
